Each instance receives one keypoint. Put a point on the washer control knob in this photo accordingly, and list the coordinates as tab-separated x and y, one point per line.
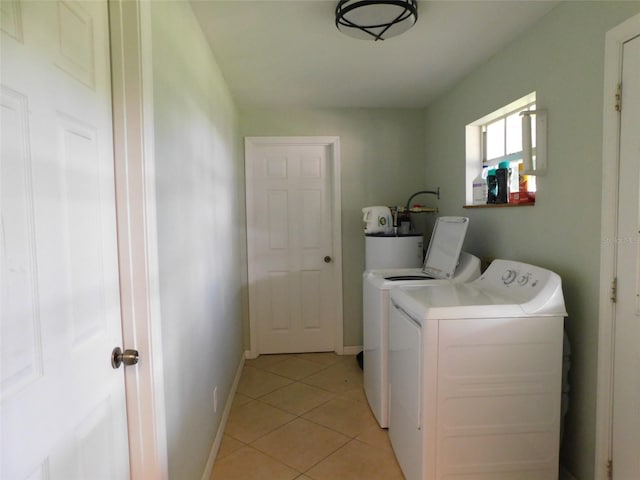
524	279
509	276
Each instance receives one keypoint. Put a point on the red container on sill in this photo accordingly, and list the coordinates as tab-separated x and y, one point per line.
518	198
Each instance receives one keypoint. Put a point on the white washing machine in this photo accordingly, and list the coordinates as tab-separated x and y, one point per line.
475	376
444	263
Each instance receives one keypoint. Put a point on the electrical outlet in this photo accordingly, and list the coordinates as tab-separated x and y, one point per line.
215	399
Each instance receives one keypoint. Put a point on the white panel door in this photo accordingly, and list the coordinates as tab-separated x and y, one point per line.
292	269
62	405
626	392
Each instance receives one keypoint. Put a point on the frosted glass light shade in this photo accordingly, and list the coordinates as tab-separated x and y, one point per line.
376	19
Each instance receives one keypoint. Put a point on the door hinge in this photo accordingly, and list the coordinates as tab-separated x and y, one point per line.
610	469
618	96
614	290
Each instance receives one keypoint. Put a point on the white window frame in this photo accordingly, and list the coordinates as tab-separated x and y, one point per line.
475	144
507	157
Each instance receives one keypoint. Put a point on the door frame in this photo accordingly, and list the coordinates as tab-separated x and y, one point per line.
614	42
132	97
333	145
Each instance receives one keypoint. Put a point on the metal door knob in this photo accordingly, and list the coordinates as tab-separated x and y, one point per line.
128	357
327	259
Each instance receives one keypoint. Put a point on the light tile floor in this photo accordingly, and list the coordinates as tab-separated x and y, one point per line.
304	417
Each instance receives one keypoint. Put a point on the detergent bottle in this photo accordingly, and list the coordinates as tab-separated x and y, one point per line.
480	188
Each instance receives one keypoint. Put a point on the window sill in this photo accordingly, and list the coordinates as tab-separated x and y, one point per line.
500	205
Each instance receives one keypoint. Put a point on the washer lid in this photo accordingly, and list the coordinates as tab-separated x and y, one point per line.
445	246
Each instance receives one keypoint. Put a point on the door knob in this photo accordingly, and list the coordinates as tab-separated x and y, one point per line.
327	259
128	357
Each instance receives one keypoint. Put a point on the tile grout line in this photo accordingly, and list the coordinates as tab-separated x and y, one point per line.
334	395
350	438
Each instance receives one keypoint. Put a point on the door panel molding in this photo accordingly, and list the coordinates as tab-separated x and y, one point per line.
22	357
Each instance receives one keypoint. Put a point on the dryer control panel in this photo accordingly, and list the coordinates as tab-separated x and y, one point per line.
521	280
507	273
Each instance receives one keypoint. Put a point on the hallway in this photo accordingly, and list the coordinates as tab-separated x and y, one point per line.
303	416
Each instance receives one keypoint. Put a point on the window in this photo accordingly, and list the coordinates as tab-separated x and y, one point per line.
502	138
496	141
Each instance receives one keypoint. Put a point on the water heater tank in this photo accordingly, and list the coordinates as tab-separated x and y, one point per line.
393	251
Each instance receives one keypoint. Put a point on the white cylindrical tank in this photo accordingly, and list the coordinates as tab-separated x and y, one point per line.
393	251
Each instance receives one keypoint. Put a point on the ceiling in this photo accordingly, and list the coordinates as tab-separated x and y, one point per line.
289	54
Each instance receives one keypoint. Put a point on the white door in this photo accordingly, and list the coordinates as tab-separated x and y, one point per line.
62	405
626	392
294	260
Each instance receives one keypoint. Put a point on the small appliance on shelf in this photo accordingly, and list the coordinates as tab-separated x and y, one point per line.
377	219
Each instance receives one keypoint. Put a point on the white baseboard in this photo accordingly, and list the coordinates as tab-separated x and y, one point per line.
208	470
352	350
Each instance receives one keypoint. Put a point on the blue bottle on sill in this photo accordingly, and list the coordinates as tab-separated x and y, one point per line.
502	180
492	187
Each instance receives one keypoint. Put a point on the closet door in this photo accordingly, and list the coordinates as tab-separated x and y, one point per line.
626	389
293	231
62	404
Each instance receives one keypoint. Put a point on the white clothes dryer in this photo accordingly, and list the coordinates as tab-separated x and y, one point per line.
475	376
444	263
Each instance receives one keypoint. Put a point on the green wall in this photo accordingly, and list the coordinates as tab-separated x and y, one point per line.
386	155
382	163
562	59
202	260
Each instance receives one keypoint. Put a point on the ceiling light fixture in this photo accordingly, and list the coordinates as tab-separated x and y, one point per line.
376	19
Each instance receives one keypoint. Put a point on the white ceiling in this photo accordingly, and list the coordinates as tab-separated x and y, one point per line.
288	53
